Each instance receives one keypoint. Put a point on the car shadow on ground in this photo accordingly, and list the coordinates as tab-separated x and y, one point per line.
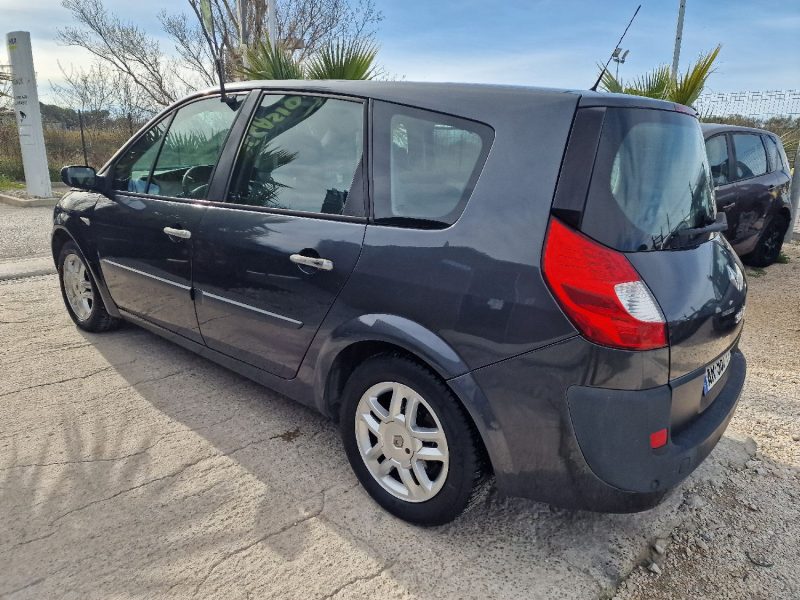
222	484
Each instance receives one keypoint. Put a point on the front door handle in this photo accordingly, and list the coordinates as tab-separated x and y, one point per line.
184	234
727	206
323	264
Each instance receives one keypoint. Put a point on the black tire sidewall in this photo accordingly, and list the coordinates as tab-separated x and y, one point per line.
760	257
96	315
463	465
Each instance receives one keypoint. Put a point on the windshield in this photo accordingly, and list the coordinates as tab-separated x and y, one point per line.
651	179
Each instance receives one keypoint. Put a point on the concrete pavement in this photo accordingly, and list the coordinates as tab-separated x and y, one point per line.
132	468
25	232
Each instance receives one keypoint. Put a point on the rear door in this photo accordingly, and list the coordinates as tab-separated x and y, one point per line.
753	191
269	263
779	178
146	228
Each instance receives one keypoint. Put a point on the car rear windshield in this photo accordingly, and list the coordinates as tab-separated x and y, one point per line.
651	179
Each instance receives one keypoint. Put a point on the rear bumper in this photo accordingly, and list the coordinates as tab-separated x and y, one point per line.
613	428
559	429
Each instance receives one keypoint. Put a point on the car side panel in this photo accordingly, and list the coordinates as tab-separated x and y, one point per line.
477	284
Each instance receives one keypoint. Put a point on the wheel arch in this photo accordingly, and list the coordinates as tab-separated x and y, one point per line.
60	236
373	335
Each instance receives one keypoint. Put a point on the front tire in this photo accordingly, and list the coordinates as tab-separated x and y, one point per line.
769	244
80	294
409	441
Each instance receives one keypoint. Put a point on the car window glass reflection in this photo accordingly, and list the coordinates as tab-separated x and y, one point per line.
300	153
192	147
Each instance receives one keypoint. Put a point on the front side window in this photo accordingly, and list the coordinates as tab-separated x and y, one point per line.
426	164
132	170
751	160
191	148
302	153
717	150
774	154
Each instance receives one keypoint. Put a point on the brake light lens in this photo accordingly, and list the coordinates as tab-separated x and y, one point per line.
601	292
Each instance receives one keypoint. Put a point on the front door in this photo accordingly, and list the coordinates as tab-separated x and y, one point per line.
725	190
270	263
145	229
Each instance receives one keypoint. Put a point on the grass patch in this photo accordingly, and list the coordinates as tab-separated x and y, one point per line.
7	183
756	272
782	258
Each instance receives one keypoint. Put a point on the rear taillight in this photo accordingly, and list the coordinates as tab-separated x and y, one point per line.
601	292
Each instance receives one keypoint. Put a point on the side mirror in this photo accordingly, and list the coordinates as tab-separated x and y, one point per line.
84	178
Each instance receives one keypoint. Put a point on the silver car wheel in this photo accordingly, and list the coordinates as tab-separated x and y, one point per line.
401	441
77	286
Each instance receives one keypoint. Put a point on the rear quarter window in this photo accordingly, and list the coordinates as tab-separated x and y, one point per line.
426	165
773	153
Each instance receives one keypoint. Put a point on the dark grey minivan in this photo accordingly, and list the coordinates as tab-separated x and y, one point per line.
472	280
752	187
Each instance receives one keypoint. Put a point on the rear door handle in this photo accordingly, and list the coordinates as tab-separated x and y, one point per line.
323	264
184	234
727	206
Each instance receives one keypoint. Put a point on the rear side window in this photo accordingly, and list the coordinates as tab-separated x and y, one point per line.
302	153
425	165
718	159
651	179
773	153
751	160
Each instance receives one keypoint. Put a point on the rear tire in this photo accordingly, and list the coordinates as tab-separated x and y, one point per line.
80	294
428	480
769	244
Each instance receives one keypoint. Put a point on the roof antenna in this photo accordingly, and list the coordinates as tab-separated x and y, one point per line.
206	18
605	67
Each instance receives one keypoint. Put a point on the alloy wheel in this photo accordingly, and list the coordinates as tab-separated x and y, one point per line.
77	286
401	441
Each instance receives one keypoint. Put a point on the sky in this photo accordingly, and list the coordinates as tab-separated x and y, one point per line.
554	43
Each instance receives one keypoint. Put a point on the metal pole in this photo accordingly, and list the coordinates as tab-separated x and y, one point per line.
676	55
29	116
83	140
795	195
272	25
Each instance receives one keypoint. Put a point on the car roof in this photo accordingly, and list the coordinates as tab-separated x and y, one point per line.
445	97
710	129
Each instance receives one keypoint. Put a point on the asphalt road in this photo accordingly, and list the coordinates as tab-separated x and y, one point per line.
131	468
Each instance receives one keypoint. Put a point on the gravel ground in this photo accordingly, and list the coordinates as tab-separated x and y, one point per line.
740	537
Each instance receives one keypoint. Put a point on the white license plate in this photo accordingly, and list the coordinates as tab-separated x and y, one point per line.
715	370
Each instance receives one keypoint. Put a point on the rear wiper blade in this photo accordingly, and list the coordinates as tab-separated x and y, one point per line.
721	224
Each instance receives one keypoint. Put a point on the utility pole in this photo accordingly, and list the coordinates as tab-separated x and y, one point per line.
272	24
795	195
243	33
29	116
676	55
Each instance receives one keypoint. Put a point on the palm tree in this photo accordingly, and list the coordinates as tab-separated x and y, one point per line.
354	59
659	83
